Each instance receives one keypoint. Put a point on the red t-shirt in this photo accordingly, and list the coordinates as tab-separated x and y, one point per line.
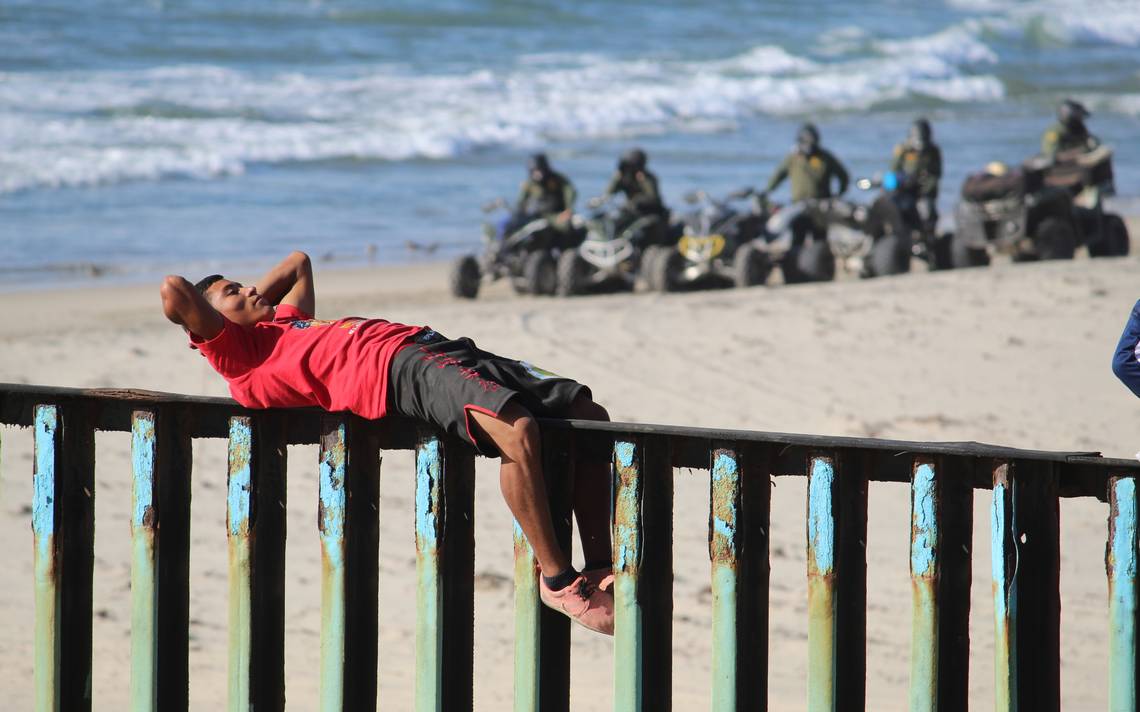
295	360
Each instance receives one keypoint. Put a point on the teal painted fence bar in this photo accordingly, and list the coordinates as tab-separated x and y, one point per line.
822	529
1025	538
925	563
724	551
144	565
629	635
1122	594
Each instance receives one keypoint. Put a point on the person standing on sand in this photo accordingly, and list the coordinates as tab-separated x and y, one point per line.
812	169
264	341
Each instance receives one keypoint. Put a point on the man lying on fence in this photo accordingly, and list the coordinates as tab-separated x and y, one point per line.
264	341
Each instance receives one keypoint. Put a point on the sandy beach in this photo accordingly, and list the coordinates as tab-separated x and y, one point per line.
1014	354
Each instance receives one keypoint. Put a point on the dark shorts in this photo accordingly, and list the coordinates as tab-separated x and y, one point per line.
442	380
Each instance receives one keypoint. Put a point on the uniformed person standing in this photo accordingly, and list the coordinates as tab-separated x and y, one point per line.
918	161
545	193
642	195
1069	132
811	169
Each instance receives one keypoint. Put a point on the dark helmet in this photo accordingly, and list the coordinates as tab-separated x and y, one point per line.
807	138
632	161
1072	113
920	134
538	164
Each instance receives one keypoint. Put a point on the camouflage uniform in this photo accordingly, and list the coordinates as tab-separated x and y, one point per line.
642	195
921	171
1058	138
547	197
810	174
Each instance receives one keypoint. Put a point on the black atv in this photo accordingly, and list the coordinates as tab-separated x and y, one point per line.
519	247
897	206
871	241
1040	211
721	245
610	256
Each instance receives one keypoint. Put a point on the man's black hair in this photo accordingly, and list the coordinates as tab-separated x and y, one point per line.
203	284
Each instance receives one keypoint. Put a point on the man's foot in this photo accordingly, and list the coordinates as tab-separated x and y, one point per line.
582	602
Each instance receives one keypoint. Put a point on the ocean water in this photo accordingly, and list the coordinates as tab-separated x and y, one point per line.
138	138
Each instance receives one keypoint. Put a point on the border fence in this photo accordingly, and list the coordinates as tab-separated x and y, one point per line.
1026	486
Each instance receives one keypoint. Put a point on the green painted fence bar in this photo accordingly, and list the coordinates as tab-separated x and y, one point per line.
444	573
144	564
1122	594
347	518
63	527
1025	486
629	623
160	564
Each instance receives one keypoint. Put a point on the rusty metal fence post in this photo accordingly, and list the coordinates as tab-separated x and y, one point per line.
1120	562
63	523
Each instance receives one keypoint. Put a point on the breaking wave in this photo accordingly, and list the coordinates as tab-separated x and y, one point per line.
84	128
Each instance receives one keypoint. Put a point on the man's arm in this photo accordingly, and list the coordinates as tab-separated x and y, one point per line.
185	306
779	176
840	173
291	282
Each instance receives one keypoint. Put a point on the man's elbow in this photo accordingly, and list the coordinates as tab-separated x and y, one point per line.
173	292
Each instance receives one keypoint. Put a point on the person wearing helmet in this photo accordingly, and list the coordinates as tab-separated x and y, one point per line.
633	179
642	195
1069	132
545	193
917	162
810	167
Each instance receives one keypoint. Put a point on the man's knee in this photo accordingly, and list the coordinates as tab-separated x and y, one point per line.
521	438
584	408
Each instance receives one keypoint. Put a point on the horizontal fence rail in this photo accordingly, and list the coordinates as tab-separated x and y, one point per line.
1025	485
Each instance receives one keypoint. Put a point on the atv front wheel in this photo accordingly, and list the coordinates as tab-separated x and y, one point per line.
666	269
465	277
1117	233
962	255
750	266
889	255
1055	240
540	275
646	269
811	262
571	273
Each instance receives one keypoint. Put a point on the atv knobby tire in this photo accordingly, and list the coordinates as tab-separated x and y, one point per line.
890	254
1054	239
750	266
465	277
540	276
571	273
811	262
666	268
964	256
1113	241
648	259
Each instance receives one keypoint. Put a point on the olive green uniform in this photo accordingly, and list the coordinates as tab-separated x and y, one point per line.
924	167
548	197
810	174
641	192
1058	138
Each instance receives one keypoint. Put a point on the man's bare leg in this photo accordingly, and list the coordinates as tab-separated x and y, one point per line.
515	434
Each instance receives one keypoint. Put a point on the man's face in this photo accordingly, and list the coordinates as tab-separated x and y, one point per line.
241	305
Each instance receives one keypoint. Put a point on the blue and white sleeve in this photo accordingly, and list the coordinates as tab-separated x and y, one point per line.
1125	362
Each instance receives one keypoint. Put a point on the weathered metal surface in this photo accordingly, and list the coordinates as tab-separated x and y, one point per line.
63	525
821	548
347	518
144	565
1004	591
723	550
239	485
429	593
528	652
655	575
1121	557
924	571
330	522
47	646
629	679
